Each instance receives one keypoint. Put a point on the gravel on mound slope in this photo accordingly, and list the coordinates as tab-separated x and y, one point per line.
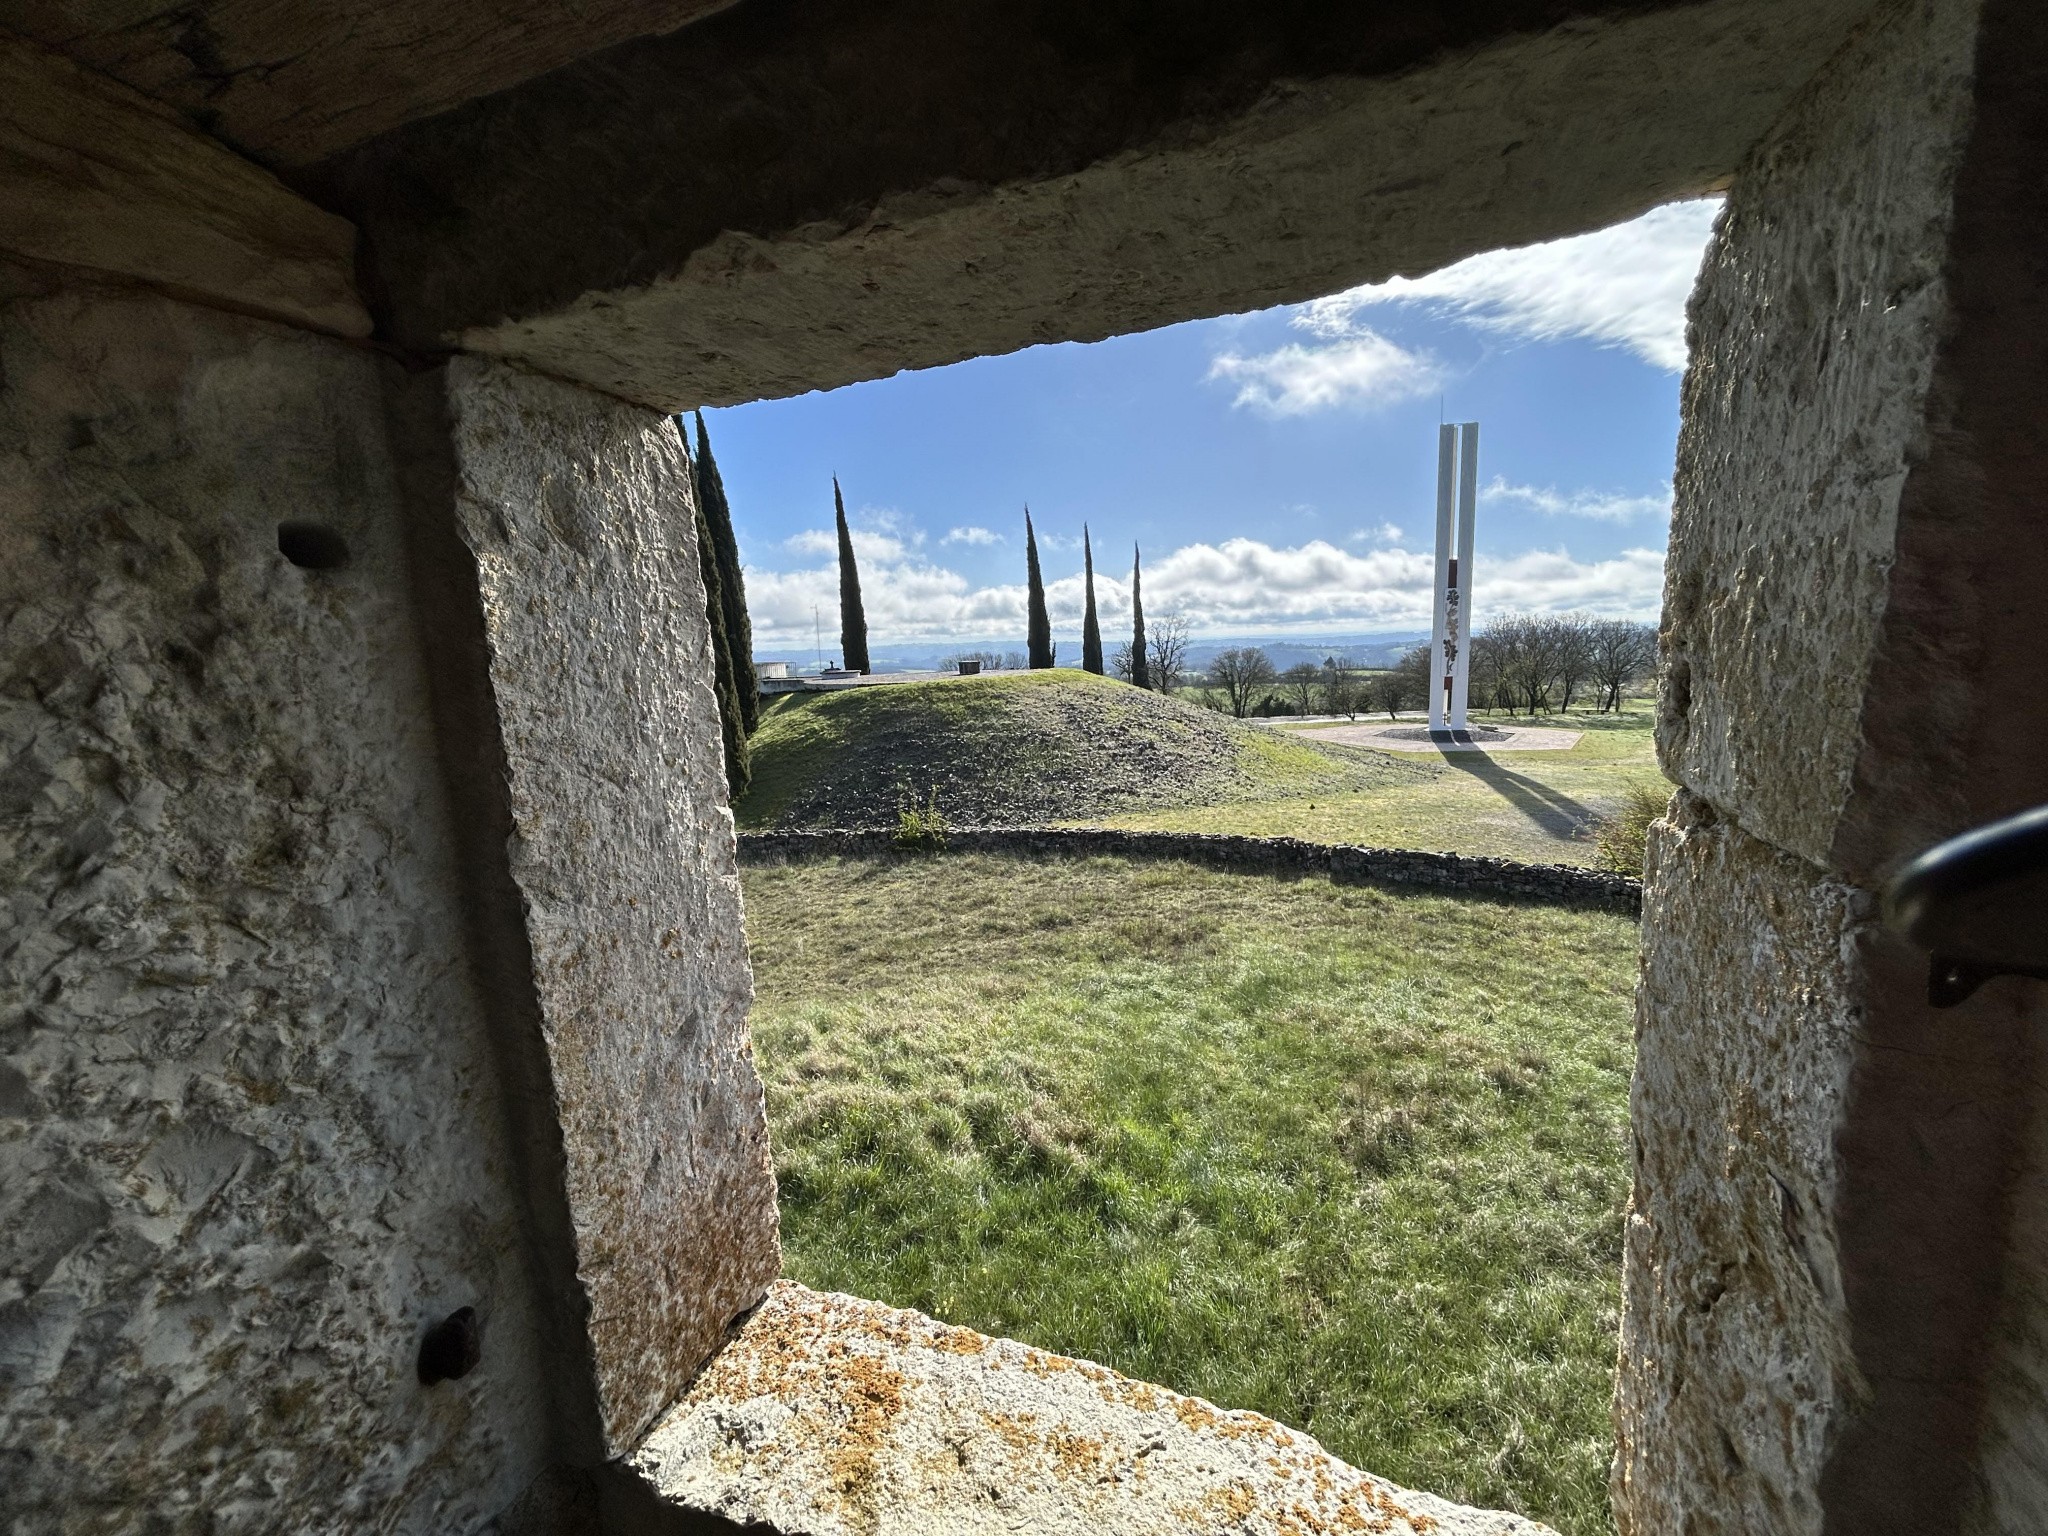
1029	748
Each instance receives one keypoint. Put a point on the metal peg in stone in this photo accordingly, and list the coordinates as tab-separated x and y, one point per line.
452	1348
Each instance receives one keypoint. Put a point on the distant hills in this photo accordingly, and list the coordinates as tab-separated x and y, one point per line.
1379	649
1028	748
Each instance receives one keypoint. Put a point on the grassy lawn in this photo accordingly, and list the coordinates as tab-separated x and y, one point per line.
1517	805
1354	1159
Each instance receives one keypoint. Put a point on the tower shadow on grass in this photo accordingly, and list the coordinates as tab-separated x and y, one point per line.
1556	815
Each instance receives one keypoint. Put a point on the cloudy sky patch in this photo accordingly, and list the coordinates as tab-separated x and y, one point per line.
1362	370
1278	467
1624	286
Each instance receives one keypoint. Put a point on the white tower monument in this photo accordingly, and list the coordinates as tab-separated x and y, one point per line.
1450	650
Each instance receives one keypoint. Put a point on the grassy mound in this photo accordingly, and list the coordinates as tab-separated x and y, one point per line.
1027	748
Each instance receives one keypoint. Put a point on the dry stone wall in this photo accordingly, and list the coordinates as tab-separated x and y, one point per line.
1561	883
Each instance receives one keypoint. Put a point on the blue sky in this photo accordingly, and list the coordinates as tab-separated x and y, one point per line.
1278	468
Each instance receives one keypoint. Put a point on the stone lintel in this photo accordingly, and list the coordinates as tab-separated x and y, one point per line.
290	84
94	175
826	1415
755	207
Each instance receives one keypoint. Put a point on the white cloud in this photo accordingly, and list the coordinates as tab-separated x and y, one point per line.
1238	586
1624	286
868	544
1385	533
1362	369
1629	586
1606	506
971	536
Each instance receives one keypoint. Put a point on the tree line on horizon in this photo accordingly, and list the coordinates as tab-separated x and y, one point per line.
1523	663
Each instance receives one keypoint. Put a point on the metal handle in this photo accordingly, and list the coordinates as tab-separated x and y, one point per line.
1979	903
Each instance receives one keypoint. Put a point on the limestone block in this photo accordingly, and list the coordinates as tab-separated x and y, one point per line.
94	175
1814	330
250	1138
1735	1366
578	510
826	1415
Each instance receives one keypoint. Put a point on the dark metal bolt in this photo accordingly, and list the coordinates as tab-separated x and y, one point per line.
452	1348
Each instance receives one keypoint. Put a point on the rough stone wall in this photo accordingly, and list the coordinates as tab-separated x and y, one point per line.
250	1145
1833	1293
1814	330
1735	1349
577	508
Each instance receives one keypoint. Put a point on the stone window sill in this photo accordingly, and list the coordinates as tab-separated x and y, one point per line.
826	1415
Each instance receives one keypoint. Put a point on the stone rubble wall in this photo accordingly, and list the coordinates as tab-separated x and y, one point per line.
1563	884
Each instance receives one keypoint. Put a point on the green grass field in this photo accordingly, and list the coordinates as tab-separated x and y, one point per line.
1351	1158
1517	805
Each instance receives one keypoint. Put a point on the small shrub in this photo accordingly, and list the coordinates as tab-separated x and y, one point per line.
920	828
1619	840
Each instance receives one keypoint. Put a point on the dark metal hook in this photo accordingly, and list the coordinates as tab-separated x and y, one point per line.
1979	904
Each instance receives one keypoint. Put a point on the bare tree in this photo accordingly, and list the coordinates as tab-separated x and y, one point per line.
1485	689
1300	683
1526	649
1624	652
1571	638
1342	694
1244	674
1382	691
1169	648
1120	662
1412	681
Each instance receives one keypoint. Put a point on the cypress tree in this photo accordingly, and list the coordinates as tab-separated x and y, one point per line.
1141	669
853	619
739	629
1091	632
1038	628
739	769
